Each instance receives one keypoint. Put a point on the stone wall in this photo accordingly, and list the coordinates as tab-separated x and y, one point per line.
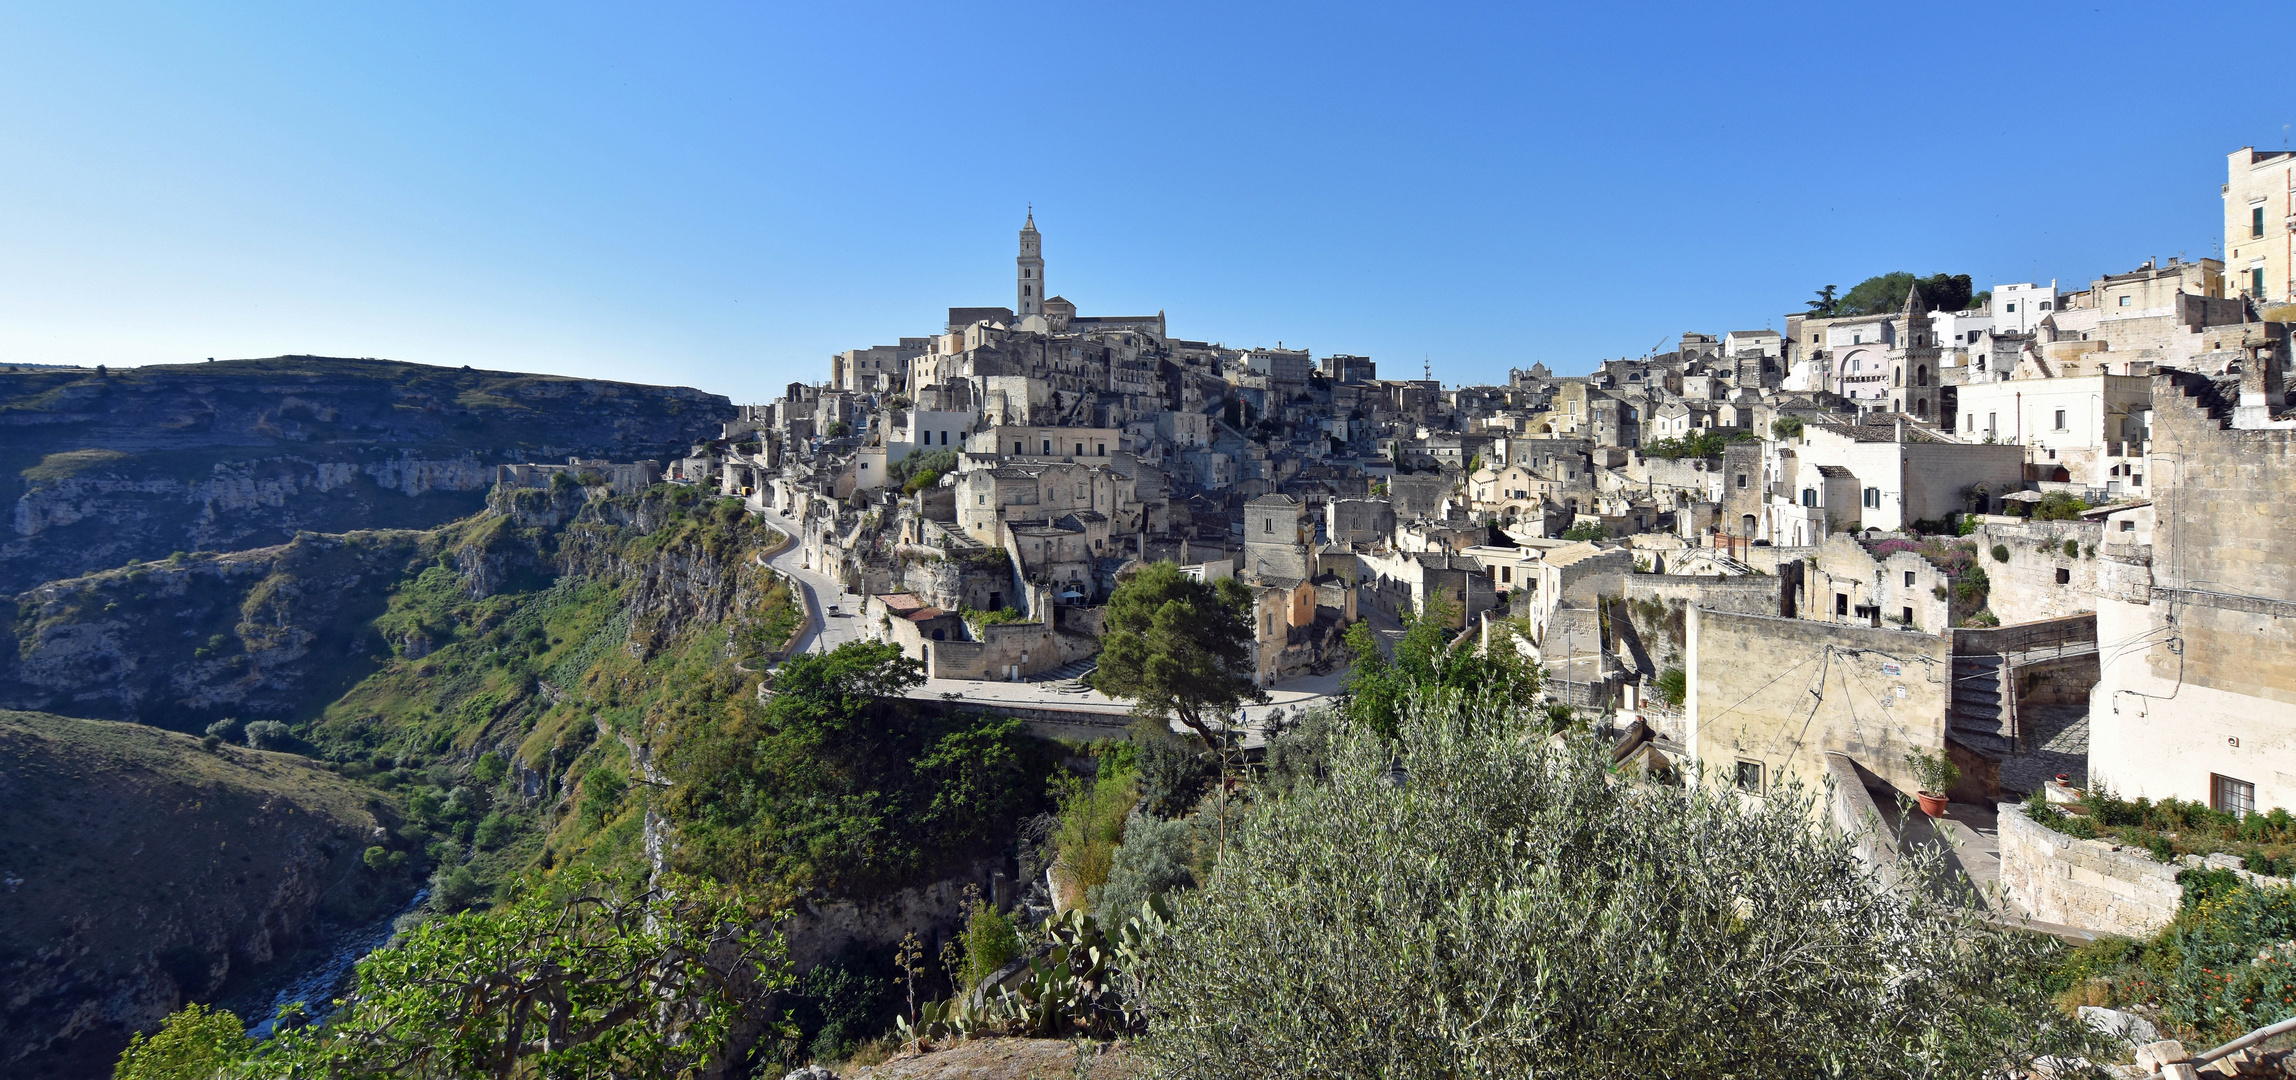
2090	884
1750	680
1751	595
2027	587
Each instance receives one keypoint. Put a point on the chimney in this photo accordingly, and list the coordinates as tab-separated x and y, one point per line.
1901	429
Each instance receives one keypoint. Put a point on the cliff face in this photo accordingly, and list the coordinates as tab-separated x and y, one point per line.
261	634
138	463
138	871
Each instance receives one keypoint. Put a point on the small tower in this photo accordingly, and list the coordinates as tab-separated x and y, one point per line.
1031	281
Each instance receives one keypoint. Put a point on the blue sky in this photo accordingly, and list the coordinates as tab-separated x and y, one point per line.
724	195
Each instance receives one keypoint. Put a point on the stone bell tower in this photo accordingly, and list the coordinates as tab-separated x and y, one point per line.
1031	281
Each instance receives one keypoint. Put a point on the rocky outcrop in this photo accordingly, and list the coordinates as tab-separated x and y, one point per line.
183	642
139	871
142	462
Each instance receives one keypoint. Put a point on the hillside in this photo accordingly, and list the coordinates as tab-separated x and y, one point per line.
142	462
138	870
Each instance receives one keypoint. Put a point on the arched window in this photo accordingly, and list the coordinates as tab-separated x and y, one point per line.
1897	376
1921	376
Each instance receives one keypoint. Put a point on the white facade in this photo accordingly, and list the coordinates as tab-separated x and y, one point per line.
1860	353
2017	309
2093	426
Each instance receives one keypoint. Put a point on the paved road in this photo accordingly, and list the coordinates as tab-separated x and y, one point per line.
821	634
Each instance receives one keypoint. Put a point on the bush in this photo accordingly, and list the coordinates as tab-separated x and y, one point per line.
2072	549
454	888
602	790
1506	904
1155	858
2000	553
194	1044
1172	770
1092	818
493	831
268	735
990	942
1672	686
1592	530
489	769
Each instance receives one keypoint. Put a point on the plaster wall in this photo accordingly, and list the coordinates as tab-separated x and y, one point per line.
1750	680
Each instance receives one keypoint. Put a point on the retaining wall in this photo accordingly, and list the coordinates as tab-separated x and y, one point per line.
2091	884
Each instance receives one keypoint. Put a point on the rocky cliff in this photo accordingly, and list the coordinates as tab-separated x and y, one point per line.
142	462
139	870
264	634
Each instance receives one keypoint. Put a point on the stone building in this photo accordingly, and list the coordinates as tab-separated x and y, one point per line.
2259	208
2196	697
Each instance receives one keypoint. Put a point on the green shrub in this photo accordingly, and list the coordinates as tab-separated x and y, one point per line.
1472	898
267	735
1172	770
489	769
1673	685
2072	549
493	831
602	790
990	942
1155	858
2001	553
1092	818
193	1044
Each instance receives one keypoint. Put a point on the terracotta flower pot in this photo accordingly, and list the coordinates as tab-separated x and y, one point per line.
1932	803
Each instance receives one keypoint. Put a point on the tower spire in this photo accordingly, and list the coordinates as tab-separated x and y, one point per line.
1028	287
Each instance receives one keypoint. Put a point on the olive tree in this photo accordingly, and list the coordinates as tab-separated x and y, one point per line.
1477	898
580	979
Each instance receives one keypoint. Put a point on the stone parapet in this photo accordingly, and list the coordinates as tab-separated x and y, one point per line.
2089	884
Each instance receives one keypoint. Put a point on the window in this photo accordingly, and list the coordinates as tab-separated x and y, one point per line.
2012	307
1024	291
2256	277
1018	449
1873	498
1103	449
1079	449
2255	222
1809	496
984	500
2124	301
2046	305
1906	617
2128	526
1857	339
1841	603
1750	777
1507	574
2060	419
1741	480
1268	524
2064	576
1909	579
2232	796
1048	447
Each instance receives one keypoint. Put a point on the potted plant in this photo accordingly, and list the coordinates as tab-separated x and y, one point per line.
1935	773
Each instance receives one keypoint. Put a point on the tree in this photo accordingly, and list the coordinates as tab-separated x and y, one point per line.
1178	648
582	979
192	1044
1824	306
1590	530
1473	898
1426	658
1885	294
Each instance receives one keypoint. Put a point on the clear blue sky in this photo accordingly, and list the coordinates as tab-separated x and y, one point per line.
722	196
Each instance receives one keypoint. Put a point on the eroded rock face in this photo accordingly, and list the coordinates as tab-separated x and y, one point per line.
139	463
138	870
182	642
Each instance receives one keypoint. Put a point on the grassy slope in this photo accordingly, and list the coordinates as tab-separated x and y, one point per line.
141	863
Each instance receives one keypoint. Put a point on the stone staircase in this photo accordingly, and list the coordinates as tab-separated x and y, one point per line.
954	541
1980	717
1074	672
